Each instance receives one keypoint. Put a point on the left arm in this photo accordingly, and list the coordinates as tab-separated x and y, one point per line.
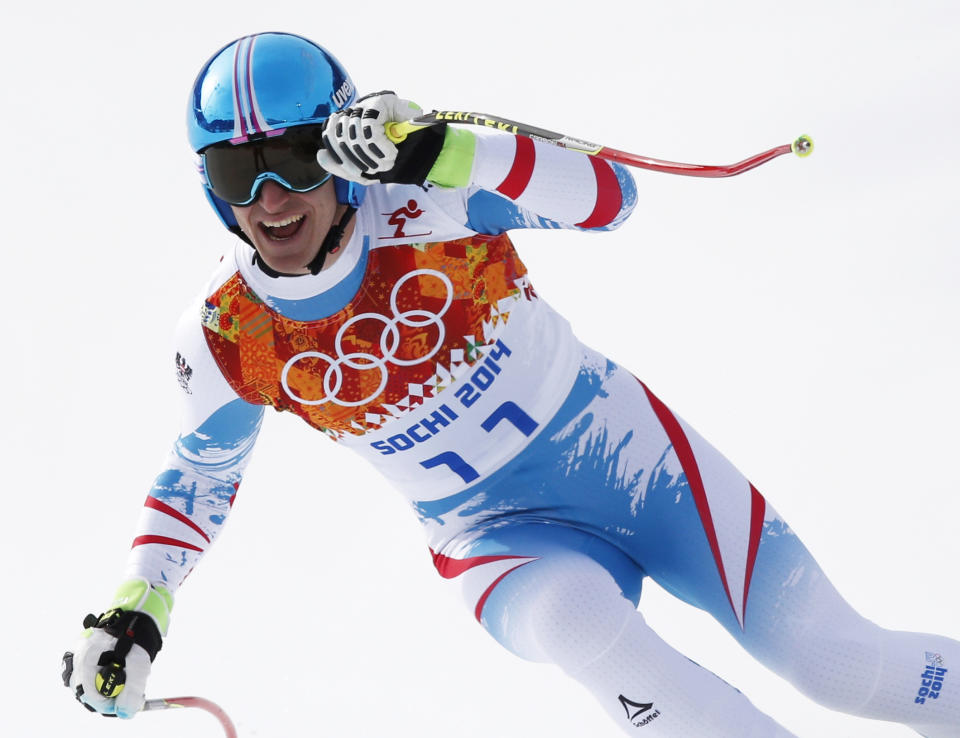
517	182
511	181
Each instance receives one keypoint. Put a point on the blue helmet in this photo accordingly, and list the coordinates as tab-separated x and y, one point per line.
261	83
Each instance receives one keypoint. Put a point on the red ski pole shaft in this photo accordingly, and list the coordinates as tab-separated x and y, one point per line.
166	703
397	132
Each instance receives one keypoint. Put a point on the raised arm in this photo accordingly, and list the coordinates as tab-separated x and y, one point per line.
522	183
510	181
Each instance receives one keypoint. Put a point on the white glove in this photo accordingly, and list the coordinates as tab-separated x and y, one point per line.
355	143
107	671
83	678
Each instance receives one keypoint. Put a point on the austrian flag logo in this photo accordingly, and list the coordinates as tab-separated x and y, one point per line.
184	374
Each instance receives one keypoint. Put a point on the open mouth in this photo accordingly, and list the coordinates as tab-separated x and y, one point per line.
282	230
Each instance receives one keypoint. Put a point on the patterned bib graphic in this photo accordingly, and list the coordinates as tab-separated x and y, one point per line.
421	311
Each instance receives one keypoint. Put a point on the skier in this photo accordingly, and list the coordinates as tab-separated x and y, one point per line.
373	291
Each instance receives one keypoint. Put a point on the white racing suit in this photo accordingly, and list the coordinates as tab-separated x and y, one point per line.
549	480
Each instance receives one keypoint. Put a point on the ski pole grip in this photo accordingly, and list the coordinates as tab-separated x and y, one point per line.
110	678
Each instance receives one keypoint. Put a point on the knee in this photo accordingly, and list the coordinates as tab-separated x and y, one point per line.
838	667
565	610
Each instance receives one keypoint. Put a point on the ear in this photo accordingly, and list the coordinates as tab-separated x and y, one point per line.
222	209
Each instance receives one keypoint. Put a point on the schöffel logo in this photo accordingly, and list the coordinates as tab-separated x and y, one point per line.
932	678
636	712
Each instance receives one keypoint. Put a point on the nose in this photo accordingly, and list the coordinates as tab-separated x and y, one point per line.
273	196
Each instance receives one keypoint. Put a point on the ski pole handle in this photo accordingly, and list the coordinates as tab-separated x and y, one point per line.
111	675
398	131
110	678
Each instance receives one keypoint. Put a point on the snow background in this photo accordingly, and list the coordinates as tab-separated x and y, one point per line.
801	317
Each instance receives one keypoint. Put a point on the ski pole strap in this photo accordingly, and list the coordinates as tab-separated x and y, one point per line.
129	628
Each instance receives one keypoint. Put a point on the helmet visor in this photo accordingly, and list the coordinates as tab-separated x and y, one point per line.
235	172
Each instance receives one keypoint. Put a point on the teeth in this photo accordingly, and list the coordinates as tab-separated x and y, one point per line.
281	223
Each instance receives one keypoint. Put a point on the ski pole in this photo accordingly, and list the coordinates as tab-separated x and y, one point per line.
397	132
166	703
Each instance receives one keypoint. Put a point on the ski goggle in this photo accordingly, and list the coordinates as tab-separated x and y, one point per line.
235	172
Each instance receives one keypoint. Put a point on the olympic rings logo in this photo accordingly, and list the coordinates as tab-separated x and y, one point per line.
389	343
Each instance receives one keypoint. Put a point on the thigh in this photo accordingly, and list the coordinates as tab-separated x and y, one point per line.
499	565
710	537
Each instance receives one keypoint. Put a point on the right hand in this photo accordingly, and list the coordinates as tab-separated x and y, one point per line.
355	143
108	670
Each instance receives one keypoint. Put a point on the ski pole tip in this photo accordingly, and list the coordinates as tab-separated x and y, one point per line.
803	146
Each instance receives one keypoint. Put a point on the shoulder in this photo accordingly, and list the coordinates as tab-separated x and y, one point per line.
205	388
394	214
190	339
227	267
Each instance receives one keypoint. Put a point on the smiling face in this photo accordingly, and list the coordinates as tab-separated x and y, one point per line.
288	228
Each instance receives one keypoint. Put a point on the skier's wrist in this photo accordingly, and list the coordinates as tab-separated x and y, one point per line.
139	595
417	156
454	164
